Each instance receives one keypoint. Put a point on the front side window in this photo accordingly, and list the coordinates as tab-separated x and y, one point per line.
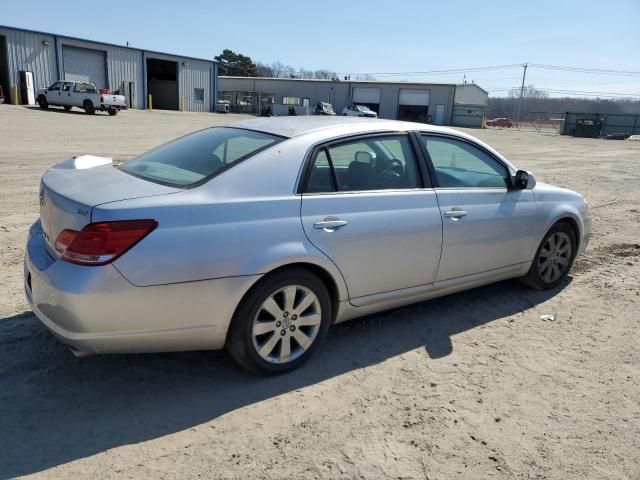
193	159
55	87
375	163
460	164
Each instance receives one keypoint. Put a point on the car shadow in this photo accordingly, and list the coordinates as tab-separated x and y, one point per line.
55	408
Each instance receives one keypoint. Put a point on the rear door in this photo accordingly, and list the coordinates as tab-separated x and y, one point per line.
486	225
368	206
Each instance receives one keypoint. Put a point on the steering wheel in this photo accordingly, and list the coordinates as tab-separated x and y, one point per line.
394	165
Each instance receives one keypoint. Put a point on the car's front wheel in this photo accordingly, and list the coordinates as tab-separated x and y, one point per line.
281	322
553	259
42	101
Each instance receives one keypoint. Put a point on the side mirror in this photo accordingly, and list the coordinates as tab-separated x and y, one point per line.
524	180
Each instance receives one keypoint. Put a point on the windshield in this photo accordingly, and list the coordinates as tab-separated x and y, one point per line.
362	108
193	159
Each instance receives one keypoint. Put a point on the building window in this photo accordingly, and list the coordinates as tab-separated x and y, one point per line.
290	100
198	95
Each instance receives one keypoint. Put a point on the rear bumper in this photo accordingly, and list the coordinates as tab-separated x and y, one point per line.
96	310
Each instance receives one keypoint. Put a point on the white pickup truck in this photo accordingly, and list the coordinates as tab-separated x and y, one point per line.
83	95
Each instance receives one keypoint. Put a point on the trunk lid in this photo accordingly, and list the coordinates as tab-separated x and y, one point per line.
70	190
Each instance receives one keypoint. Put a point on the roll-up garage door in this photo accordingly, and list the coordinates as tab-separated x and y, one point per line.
413	105
84	65
414	97
366	95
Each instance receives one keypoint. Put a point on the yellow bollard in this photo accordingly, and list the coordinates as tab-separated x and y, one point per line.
14	94
150	103
182	103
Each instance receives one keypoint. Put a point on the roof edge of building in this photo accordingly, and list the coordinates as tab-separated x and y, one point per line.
70	37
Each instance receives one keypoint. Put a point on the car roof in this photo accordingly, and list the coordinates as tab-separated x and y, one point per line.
295	126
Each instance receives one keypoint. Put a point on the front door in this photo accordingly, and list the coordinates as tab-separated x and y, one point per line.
367	207
65	93
486	225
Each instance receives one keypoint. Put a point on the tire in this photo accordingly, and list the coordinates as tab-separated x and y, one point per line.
89	108
553	259
42	102
68	108
262	353
113	112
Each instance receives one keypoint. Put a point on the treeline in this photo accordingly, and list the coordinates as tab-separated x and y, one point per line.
537	104
238	65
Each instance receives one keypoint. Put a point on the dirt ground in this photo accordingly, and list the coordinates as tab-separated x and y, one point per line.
474	385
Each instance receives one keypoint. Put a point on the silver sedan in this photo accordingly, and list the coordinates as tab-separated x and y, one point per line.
260	235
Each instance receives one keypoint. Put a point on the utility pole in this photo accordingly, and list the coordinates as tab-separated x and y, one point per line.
524	75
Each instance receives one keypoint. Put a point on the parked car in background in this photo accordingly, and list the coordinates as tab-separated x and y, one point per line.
500	122
69	94
223	106
187	247
324	108
359	111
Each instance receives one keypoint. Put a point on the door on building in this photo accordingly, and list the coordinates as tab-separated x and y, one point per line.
367	96
413	105
85	65
439	120
162	83
4	69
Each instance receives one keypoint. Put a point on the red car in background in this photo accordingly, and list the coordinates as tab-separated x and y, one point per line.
500	122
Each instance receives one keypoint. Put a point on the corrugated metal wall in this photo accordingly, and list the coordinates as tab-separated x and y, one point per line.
26	51
339	93
192	74
123	64
470	94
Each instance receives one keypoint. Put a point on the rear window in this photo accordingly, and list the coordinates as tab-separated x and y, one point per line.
193	159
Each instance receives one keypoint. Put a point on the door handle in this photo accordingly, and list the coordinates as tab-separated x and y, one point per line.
329	224
455	213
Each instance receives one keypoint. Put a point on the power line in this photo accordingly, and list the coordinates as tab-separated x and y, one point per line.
597	71
563	68
572	92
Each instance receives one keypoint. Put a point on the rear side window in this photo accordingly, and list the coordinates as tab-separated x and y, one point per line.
374	163
193	159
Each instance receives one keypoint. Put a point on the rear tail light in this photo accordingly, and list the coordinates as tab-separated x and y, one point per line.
103	242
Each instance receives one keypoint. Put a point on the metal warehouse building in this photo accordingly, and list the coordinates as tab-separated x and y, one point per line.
174	81
418	102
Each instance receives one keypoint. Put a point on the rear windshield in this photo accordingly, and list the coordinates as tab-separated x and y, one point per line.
193	159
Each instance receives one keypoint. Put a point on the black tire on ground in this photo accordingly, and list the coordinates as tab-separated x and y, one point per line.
42	101
240	342
89	108
67	107
113	111
534	278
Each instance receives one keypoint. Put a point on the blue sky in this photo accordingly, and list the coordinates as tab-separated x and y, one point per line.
375	36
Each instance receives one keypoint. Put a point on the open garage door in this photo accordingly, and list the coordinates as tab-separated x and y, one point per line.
85	65
413	105
367	96
162	83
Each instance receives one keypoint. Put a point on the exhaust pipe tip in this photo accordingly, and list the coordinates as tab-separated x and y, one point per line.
80	353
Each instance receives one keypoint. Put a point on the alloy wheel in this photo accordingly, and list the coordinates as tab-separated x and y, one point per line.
286	324
555	257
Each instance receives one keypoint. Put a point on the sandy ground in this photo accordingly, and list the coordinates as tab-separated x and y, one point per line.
474	385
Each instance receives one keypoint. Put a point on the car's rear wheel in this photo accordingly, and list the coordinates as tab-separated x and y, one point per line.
42	101
89	108
67	107
113	111
553	259
281	322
